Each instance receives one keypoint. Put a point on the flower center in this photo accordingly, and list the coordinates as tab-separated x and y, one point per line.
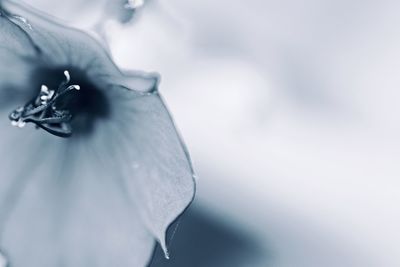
43	110
73	104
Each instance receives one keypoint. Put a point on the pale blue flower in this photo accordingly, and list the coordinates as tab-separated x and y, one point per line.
103	195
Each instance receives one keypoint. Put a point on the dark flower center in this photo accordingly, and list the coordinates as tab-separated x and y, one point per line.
67	102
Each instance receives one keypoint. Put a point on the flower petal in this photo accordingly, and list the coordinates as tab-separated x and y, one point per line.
58	46
68	196
80	212
86	14
78	13
156	166
13	39
16	48
63	204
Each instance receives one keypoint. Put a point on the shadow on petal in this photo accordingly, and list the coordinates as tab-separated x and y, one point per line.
202	240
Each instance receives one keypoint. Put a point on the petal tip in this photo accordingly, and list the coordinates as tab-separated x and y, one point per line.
165	249
163	241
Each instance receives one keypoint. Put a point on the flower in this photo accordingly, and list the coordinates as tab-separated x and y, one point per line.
97	171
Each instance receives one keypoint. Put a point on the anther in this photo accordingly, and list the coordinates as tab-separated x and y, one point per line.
43	112
76	87
67	76
21	124
44	89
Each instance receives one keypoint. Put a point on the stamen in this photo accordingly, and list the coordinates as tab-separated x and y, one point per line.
67	76
76	87
43	112
21	124
44	89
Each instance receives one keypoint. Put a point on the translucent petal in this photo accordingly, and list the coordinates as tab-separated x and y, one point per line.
60	46
13	39
157	170
16	50
80	13
97	200
63	204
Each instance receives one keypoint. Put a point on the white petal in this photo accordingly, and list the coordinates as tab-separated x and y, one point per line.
16	49
157	169
66	200
63	204
62	46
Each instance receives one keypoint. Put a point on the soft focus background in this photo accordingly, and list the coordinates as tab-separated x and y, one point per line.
290	110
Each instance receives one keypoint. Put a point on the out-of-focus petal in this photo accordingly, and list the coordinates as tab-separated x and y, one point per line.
157	170
122	10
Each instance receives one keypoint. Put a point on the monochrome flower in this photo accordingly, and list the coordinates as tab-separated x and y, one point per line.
94	171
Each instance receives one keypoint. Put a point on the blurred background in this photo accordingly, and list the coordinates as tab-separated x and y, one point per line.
290	110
